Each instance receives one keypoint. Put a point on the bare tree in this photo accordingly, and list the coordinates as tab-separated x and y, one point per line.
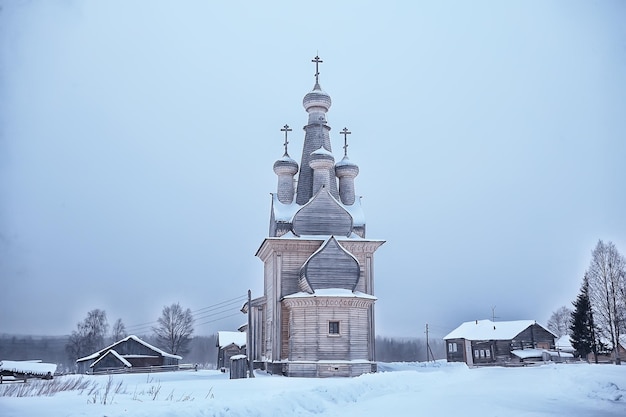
118	331
174	330
89	335
607	292
560	321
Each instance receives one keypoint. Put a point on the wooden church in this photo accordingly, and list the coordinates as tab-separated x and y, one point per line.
316	316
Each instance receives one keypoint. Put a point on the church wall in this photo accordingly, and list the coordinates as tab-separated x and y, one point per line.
269	307
291	269
307	336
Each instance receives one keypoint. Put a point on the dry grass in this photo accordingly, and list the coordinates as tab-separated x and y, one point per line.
40	387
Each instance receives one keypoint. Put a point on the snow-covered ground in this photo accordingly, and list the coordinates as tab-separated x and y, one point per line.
402	389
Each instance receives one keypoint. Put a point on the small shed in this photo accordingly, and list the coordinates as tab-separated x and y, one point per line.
238	366
128	355
483	342
229	344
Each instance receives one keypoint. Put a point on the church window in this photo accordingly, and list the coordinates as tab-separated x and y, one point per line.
333	328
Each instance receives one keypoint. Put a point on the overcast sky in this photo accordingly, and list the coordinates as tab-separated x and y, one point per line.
138	138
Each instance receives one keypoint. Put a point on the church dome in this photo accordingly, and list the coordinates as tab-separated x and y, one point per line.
316	98
285	165
321	158
346	168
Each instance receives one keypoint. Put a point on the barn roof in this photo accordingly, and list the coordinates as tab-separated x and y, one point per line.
116	355
127	338
231	338
489	330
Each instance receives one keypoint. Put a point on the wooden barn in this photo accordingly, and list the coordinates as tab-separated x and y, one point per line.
316	315
130	354
484	342
229	344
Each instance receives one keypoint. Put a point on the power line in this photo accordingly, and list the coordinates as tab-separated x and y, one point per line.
199	314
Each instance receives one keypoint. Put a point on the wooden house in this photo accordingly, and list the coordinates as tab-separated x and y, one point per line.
129	354
607	355
316	315
229	344
483	342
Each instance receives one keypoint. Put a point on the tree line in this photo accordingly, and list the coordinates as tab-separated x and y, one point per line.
201	349
172	333
597	322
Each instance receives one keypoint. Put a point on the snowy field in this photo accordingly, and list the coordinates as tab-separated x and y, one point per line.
405	389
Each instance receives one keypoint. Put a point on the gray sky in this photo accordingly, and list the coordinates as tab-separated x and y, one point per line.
137	144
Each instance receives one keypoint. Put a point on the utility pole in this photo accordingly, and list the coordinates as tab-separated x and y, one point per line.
249	335
427	345
493	314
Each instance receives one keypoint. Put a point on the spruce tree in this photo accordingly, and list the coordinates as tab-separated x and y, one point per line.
582	335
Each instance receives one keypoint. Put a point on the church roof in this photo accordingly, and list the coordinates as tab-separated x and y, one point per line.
322	215
331	266
317	98
331	292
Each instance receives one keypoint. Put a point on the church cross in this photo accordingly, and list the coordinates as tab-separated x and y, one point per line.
317	61
286	129
345	134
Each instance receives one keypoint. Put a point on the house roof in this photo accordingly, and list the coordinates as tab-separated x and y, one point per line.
564	344
136	339
489	330
116	355
231	338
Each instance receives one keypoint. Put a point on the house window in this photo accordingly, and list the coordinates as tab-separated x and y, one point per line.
333	328
476	353
452	347
487	353
482	353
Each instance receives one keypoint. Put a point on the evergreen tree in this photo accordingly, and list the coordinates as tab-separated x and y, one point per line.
582	327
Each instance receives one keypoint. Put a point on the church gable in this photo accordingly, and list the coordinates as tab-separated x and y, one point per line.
330	267
323	215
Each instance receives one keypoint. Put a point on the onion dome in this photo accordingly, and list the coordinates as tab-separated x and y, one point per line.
346	168
346	171
322	163
285	166
321	159
317	99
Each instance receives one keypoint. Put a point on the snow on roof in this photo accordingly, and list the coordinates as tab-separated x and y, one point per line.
285	212
564	344
231	338
117	355
136	339
539	353
528	353
489	330
235	357
332	292
28	367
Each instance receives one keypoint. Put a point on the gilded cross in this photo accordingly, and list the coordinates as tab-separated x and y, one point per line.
286	129
345	134
317	61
